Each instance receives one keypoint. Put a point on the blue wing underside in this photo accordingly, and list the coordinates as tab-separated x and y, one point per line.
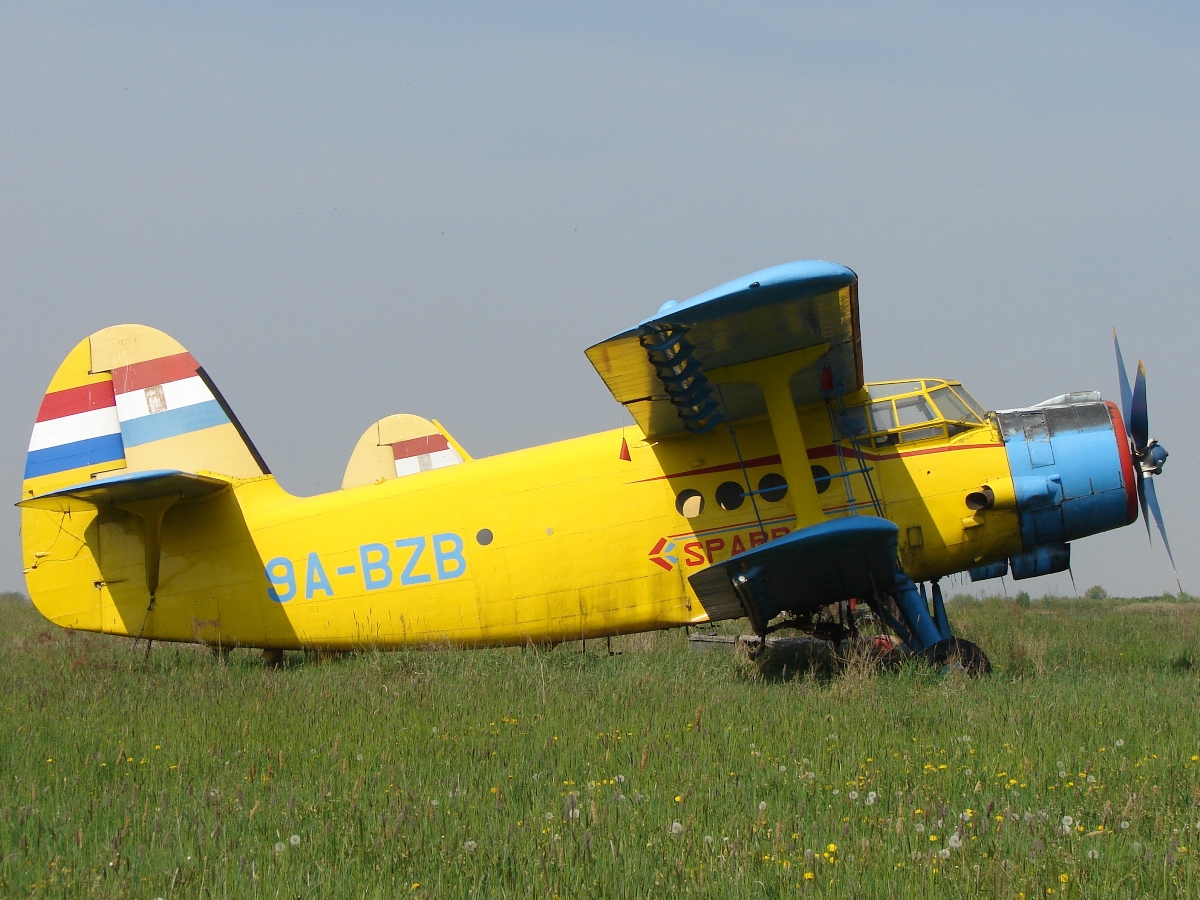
802	571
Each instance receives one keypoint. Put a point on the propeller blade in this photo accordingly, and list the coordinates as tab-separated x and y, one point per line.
1126	393
1141	488
1139	417
1152	498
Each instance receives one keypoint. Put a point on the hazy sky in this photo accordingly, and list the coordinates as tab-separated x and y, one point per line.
353	210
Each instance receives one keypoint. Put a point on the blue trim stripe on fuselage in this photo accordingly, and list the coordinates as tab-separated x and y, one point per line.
172	423
76	455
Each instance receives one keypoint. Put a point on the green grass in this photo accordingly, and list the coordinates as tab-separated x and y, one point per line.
534	773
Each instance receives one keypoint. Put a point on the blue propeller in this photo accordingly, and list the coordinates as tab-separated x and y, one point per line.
1148	455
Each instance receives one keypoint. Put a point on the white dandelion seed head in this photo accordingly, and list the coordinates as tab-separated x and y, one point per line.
358	757
676	828
574	813
808	854
871	795
783	768
943	853
469	846
280	846
1091	779
708	839
1068	821
1124	826
853	795
762	805
433	803
870	801
1093	853
294	840
836	792
620	779
1120	742
955	842
919	828
549	817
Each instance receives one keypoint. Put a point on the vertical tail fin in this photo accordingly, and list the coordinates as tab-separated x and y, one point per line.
132	398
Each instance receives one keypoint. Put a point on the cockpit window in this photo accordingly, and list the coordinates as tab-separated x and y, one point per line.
914	410
908	411
892	389
971	402
952	407
883	418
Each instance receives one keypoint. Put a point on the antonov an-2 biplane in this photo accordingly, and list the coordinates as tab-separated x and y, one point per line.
764	479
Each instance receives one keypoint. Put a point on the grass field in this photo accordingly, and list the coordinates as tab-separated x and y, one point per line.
1074	770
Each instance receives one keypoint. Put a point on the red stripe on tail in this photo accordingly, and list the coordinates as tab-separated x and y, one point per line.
430	443
153	372
76	400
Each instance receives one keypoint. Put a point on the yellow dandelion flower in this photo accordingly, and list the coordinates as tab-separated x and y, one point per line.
1064	877
832	848
808	876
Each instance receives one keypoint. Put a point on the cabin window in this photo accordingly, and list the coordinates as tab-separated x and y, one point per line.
730	495
689	503
820	475
772	487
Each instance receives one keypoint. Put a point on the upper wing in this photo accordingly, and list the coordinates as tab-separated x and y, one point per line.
657	368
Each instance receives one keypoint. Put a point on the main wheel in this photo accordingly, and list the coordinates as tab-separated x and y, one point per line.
955	654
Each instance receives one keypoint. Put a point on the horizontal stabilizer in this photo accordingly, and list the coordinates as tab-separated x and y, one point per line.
129	487
659	368
802	571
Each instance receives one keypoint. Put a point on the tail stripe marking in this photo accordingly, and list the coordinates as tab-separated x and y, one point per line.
71	429
173	422
91	452
75	400
151	372
75	427
163	398
430	443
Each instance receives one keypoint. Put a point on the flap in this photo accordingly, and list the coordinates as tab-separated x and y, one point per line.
119	490
802	571
656	368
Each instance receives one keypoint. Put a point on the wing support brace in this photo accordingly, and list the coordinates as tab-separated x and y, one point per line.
773	376
147	495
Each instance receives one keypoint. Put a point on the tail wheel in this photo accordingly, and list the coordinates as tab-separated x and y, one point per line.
956	654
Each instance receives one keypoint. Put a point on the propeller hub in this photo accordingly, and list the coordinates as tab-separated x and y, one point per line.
1152	457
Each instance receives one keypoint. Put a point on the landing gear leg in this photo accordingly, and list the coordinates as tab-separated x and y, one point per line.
929	634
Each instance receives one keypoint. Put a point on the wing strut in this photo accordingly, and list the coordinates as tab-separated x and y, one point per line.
773	376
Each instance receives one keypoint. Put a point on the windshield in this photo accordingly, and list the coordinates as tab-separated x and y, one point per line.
953	407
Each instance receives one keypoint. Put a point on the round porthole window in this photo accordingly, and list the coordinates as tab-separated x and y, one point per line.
772	487
689	503
484	537
821	477
730	495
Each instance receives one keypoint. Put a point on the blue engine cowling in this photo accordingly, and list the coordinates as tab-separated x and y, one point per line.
1072	473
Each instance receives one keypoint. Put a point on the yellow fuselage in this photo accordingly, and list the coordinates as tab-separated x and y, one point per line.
558	542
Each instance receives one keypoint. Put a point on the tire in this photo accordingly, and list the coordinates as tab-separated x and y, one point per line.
956	654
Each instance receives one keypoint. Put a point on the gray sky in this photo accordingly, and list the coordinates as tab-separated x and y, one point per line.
434	208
